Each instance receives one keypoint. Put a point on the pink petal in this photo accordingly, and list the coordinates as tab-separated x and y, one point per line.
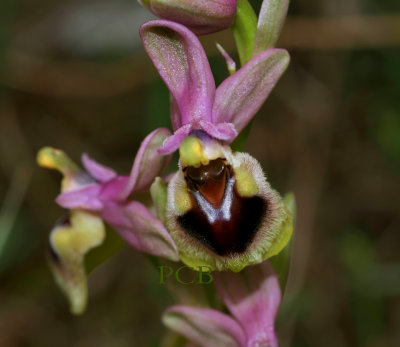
148	163
253	296
182	63
221	131
99	172
242	94
86	198
205	327
137	226
172	143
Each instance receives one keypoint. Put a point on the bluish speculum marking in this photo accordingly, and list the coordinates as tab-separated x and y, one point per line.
220	218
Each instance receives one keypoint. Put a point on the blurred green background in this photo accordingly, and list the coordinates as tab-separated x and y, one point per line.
73	75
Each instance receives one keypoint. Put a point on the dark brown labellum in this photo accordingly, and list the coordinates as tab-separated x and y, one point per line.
220	218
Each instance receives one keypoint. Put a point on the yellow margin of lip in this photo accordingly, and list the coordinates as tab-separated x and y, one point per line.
245	182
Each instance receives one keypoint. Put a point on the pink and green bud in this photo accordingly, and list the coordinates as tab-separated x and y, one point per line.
200	16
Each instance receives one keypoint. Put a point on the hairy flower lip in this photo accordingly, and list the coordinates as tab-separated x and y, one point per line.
226	233
228	225
196	248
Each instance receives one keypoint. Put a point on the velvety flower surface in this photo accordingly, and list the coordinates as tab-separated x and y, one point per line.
201	16
252	297
221	211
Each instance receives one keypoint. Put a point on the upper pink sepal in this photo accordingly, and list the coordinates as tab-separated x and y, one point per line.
183	65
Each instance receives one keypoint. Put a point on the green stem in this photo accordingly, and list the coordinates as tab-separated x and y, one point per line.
244	30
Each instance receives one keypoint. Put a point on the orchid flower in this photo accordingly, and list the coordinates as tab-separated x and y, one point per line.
221	211
201	16
99	194
252	297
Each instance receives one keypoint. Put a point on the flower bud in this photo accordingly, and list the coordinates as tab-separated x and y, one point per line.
201	16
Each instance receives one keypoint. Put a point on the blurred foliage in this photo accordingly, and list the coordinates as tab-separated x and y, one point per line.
73	75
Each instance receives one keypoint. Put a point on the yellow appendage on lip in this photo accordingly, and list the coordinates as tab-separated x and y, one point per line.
245	183
192	153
